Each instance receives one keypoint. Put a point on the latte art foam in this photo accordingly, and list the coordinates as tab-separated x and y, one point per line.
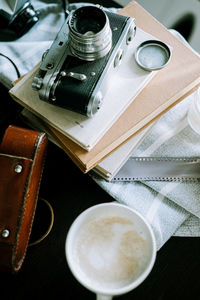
110	252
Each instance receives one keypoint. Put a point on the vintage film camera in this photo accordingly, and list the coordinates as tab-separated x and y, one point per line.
85	55
16	18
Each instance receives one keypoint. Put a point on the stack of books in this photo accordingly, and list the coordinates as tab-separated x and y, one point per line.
135	99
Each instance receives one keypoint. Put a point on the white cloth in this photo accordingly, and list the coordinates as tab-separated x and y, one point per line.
165	205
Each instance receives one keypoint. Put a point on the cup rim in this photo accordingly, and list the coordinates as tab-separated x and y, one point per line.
110	291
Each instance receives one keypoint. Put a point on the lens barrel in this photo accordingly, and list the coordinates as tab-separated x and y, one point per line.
90	36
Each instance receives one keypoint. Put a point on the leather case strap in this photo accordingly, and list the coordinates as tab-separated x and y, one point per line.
22	154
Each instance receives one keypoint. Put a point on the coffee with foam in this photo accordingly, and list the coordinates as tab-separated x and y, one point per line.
110	251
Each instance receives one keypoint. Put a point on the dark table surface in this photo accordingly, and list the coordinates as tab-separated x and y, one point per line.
45	273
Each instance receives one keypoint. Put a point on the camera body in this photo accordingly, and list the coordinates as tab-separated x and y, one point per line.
84	57
16	18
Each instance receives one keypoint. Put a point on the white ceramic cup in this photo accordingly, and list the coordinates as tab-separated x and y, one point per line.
110	249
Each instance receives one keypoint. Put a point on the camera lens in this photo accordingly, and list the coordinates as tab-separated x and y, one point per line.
90	36
85	22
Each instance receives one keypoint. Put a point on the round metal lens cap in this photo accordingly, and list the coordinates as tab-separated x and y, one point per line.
152	55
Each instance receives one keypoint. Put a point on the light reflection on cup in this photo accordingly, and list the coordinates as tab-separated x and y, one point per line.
110	249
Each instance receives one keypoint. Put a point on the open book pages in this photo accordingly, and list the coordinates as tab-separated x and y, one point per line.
126	84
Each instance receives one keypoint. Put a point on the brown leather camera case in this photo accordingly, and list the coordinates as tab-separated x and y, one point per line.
22	154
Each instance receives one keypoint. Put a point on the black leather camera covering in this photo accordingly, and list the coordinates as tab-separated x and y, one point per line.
75	95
